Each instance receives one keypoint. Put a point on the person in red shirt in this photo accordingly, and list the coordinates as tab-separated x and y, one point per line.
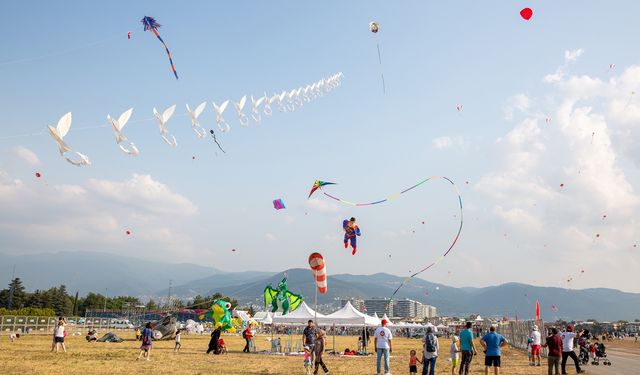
247	335
554	346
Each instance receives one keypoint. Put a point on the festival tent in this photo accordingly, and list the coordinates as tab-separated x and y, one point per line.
301	315
375	319
346	316
241	314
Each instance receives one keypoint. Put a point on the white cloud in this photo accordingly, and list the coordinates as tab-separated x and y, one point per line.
446	142
322	205
519	102
570	57
27	155
143	192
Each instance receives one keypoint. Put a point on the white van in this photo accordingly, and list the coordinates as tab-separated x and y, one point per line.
121	323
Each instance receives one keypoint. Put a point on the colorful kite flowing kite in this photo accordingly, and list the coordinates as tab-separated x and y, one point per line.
317	184
281	298
151	24
278	204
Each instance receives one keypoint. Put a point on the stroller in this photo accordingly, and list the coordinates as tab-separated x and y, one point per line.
601	355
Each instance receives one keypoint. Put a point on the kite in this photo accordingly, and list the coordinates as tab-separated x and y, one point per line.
526	13
129	35
281	298
162	122
612	66
244	121
117	126
460	107
128	232
222	123
319	269
373	27
38	174
278	204
58	133
151	24
351	232
213	135
317	184
195	123
554	308
267	110
290	103
254	109
220	314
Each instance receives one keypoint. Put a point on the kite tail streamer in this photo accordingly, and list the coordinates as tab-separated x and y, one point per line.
173	68
394	196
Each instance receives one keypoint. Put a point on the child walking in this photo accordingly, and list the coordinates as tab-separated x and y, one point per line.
453	354
178	344
413	362
307	360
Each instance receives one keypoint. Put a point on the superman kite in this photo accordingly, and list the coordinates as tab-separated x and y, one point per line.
351	230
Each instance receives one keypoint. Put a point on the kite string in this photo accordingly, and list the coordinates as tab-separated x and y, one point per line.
59	53
453	243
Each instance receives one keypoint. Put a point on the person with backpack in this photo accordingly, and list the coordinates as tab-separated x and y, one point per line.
430	353
247	335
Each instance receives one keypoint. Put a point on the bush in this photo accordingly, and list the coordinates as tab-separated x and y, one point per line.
28	311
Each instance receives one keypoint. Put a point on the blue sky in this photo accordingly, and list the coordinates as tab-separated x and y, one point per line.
519	225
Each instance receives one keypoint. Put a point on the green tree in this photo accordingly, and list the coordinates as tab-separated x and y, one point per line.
14	297
151	305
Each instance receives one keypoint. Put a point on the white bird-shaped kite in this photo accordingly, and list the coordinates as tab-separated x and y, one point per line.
222	123
281	105
244	120
291	104
298	97
267	110
255	104
162	122
117	126
306	94
58	133
195	123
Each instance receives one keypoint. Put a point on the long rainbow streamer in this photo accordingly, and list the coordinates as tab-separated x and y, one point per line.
394	196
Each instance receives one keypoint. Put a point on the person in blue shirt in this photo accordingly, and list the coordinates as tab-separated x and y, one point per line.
492	342
468	349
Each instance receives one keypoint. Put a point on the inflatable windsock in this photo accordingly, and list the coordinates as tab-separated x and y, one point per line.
316	261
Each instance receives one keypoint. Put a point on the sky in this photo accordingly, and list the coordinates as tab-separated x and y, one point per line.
544	149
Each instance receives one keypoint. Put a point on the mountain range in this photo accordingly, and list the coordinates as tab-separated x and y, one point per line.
85	272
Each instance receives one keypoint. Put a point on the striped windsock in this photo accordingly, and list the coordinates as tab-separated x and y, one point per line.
319	269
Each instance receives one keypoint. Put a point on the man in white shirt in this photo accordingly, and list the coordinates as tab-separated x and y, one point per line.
536	344
382	342
567	349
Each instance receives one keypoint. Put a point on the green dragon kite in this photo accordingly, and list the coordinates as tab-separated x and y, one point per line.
281	297
220	314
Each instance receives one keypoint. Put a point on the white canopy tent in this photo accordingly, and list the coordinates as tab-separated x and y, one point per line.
347	316
301	315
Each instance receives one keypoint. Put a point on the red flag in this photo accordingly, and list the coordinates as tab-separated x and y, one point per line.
537	310
517	319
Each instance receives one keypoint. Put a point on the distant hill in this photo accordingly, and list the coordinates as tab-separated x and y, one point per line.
93	272
505	299
87	271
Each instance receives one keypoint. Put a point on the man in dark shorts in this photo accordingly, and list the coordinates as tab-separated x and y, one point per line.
492	342
309	337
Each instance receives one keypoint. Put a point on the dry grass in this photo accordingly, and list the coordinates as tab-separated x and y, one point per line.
31	355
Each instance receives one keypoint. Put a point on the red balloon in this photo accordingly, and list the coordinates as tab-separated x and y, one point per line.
38	174
526	13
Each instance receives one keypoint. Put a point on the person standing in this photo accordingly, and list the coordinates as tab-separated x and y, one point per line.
248	335
554	351
318	349
147	338
468	349
430	353
309	337
492	342
567	349
58	335
178	344
536	341
382	344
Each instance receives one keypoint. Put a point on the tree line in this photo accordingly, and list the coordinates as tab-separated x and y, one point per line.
56	301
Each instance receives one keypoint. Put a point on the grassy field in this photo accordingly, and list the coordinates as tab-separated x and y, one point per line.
31	354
